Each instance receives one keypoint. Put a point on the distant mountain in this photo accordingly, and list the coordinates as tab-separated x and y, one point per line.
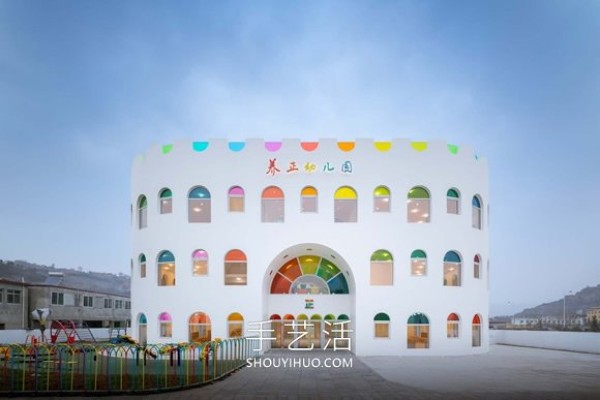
576	304
23	271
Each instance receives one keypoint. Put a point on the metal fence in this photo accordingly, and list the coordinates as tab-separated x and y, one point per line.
117	368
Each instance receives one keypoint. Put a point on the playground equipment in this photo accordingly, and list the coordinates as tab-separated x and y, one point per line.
67	332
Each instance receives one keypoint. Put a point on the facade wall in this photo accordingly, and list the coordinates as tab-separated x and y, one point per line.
399	165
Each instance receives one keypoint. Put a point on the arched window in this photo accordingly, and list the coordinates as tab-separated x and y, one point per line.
273	205
452	326
142	328
477	266
166	269
453	201
166	201
418	263
382	268
309	199
235	268
200	262
452	264
235	325
166	324
418	205
142	212
476	331
382	325
381	199
345	204
199	205
476	203
142	262
236	199
417	331
199	327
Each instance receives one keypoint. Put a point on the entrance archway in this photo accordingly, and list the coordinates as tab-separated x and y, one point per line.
302	284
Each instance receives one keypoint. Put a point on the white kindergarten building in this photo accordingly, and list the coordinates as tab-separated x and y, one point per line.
382	243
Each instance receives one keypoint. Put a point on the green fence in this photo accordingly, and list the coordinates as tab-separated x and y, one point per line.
114	368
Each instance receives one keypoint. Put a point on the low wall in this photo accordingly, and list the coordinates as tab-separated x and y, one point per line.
588	342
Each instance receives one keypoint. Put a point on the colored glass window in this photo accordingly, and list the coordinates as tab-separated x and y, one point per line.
199	205
418	205
345	205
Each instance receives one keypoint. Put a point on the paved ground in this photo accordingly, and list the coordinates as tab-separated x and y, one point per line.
504	373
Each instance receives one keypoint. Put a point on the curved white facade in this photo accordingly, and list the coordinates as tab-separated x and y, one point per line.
315	249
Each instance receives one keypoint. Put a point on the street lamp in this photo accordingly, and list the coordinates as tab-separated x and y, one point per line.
565	309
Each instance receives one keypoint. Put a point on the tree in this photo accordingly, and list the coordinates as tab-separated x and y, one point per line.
594	324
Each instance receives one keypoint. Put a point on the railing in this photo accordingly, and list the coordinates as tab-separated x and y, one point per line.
117	368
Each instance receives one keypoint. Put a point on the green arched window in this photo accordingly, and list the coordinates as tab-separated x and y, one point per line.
453	201
382	325
382	268
418	205
166	201
142	212
418	263
381	199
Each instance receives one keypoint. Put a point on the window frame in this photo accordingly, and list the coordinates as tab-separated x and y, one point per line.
57	299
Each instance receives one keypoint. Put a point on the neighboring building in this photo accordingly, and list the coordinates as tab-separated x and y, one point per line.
13	304
390	236
592	312
525	322
83	307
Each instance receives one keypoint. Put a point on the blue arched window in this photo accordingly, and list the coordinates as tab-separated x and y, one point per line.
477	220
199	205
452	267
166	269
417	331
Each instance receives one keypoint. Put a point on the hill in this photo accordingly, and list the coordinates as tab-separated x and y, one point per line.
23	271
575	304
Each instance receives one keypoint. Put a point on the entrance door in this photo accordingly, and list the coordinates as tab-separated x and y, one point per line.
288	330
143	334
276	327
314	331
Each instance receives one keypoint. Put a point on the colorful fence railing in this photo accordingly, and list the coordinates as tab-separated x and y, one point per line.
117	368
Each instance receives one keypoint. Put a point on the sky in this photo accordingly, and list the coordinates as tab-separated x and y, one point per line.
85	86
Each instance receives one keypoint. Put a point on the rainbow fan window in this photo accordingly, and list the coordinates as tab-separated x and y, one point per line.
309	275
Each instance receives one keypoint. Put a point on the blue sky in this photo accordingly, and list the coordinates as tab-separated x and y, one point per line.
87	85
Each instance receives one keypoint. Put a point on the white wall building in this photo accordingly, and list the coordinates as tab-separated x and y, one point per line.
390	236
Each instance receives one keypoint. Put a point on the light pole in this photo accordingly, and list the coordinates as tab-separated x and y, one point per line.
565	309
